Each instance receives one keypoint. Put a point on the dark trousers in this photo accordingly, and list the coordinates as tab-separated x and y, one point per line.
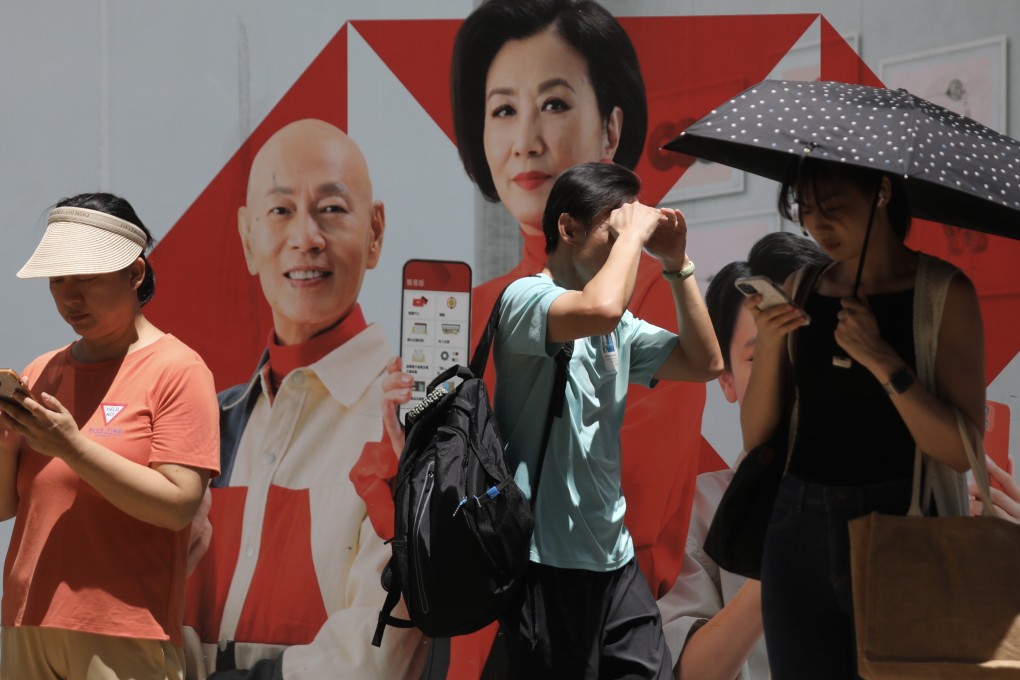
582	624
805	576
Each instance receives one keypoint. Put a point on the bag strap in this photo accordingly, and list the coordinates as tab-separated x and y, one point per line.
936	484
557	399
480	357
973	445
557	396
386	617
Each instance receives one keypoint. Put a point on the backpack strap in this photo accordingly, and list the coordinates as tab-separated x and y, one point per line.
480	357
557	397
386	617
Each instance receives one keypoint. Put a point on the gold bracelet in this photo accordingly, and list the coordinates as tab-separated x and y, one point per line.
681	275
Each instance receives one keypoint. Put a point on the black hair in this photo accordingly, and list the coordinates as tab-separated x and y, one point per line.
119	207
809	175
775	255
583	24
779	254
587	192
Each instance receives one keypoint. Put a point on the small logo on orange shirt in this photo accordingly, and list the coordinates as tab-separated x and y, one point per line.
110	411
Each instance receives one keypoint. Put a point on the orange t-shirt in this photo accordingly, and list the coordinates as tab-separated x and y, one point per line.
77	562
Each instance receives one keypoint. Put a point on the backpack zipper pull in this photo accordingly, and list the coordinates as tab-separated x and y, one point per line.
459	505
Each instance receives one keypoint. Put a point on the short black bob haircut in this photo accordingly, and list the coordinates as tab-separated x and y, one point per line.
583	24
775	255
112	204
587	192
809	176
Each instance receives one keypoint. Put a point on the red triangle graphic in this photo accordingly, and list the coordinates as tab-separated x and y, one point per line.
840	62
692	64
419	54
205	294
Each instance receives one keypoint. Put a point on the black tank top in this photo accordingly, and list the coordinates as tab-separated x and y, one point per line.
848	431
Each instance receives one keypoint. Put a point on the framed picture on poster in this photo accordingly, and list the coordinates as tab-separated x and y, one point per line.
704	179
969	78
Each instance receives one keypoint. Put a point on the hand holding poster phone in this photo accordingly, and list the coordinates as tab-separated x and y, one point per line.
435	322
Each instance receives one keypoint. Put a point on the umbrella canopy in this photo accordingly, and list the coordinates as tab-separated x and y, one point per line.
957	171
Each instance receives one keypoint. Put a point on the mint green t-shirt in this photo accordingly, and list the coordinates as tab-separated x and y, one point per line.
580	508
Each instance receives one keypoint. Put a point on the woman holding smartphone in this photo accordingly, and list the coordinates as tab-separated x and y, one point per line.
104	466
914	338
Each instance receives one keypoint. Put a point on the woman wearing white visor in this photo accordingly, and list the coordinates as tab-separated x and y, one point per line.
103	464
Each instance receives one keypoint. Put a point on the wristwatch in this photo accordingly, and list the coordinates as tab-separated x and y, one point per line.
680	274
900	381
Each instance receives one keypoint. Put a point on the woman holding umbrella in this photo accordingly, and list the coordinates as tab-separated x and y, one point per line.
857	427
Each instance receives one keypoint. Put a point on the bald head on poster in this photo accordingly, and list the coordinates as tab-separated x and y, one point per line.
310	227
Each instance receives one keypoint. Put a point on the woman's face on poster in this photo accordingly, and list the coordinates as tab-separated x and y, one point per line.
541	117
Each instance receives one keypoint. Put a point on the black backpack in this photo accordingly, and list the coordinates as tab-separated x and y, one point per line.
462	527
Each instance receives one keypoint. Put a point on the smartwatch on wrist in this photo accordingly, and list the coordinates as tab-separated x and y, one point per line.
900	381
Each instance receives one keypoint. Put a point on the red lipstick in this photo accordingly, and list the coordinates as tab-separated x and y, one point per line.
531	180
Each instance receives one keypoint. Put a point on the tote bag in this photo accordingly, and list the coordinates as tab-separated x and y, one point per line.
938	597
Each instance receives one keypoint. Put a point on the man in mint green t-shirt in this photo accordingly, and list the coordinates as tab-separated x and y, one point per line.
588	612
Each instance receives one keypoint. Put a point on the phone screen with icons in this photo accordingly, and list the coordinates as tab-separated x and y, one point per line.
435	322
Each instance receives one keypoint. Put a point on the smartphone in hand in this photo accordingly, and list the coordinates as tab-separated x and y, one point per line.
771	292
435	322
11	382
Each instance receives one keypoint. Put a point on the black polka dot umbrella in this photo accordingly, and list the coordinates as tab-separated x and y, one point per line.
957	171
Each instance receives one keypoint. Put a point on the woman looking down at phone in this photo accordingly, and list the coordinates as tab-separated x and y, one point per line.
104	467
857	427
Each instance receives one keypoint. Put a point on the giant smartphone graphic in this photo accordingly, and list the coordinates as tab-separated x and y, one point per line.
435	319
997	418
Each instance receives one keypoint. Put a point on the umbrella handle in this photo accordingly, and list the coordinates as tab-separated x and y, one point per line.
841	360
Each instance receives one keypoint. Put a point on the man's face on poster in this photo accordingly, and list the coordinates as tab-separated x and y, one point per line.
734	380
310	228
